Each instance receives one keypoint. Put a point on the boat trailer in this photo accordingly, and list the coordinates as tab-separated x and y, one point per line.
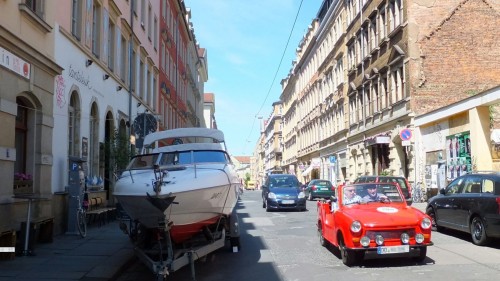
155	249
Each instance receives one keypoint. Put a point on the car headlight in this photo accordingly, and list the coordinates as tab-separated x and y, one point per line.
379	240
365	241
419	238
271	195
425	223
405	238
355	226
302	195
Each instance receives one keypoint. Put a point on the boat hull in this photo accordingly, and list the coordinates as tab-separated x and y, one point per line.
201	198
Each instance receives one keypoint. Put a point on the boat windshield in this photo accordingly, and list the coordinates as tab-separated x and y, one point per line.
200	156
144	161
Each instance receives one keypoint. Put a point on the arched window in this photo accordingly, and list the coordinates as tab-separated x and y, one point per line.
21	136
93	160
74	126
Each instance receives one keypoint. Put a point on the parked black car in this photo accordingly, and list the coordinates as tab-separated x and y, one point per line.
319	189
401	181
282	191
470	203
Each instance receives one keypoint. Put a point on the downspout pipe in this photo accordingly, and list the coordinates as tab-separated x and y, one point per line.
131	45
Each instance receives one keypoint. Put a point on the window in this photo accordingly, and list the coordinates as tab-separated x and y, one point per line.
142	72
21	137
134	7
111	46
352	109
96	29
133	83
373	34
123	64
76	19
155	33
149	92
455	187
359	107
143	14
164	9
384	97
154	93
397	85
150	23
351	54
36	6
382	24
93	159
368	102
396	13
73	126
375	97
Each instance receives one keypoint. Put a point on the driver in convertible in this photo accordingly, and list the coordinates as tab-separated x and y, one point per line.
373	196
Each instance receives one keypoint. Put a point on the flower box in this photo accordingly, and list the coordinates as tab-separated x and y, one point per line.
23	186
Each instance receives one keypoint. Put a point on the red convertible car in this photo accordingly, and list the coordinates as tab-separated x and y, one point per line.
371	220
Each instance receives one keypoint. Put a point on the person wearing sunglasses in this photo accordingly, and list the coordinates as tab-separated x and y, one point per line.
373	196
350	196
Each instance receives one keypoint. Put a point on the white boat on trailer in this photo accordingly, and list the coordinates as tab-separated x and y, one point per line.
180	194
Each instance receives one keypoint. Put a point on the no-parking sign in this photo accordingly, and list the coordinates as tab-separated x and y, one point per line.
405	134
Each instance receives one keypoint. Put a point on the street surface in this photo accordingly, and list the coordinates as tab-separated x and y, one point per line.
283	246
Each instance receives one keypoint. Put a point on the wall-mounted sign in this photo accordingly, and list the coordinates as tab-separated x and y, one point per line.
405	134
14	63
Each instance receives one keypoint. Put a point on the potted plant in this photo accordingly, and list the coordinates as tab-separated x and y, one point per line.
23	183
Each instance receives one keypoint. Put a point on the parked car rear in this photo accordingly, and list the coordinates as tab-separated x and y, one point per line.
319	189
470	203
401	181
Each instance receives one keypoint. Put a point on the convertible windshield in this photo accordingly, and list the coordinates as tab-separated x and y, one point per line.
371	192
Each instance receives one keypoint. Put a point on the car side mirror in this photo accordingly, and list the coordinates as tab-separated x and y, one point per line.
442	191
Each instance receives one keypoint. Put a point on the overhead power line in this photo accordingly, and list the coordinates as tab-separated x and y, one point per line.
275	75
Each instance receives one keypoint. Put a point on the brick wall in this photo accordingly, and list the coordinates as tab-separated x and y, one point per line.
460	57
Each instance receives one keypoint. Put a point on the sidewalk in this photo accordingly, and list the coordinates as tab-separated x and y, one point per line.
100	256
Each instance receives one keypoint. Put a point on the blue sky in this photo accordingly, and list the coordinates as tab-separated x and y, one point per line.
245	41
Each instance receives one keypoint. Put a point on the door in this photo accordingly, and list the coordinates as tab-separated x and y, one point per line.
466	201
446	208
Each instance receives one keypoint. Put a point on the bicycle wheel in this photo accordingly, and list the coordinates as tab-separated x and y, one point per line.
81	222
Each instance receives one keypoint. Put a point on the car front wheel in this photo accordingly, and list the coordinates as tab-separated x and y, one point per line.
349	257
430	211
322	240
478	232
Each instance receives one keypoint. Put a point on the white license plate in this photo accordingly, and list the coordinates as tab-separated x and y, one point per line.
324	188
393	249
288	202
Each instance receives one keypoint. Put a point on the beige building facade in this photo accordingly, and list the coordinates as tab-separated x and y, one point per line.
366	70
27	77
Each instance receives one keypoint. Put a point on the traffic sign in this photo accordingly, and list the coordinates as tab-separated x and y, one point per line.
405	134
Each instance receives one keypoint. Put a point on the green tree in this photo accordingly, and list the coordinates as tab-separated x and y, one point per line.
119	151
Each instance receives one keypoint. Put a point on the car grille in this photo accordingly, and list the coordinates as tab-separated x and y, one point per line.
286	196
390	234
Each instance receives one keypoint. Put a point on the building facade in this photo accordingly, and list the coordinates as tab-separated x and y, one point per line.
76	77
28	69
365	70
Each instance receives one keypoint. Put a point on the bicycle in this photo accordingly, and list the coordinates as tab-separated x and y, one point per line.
81	215
419	195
